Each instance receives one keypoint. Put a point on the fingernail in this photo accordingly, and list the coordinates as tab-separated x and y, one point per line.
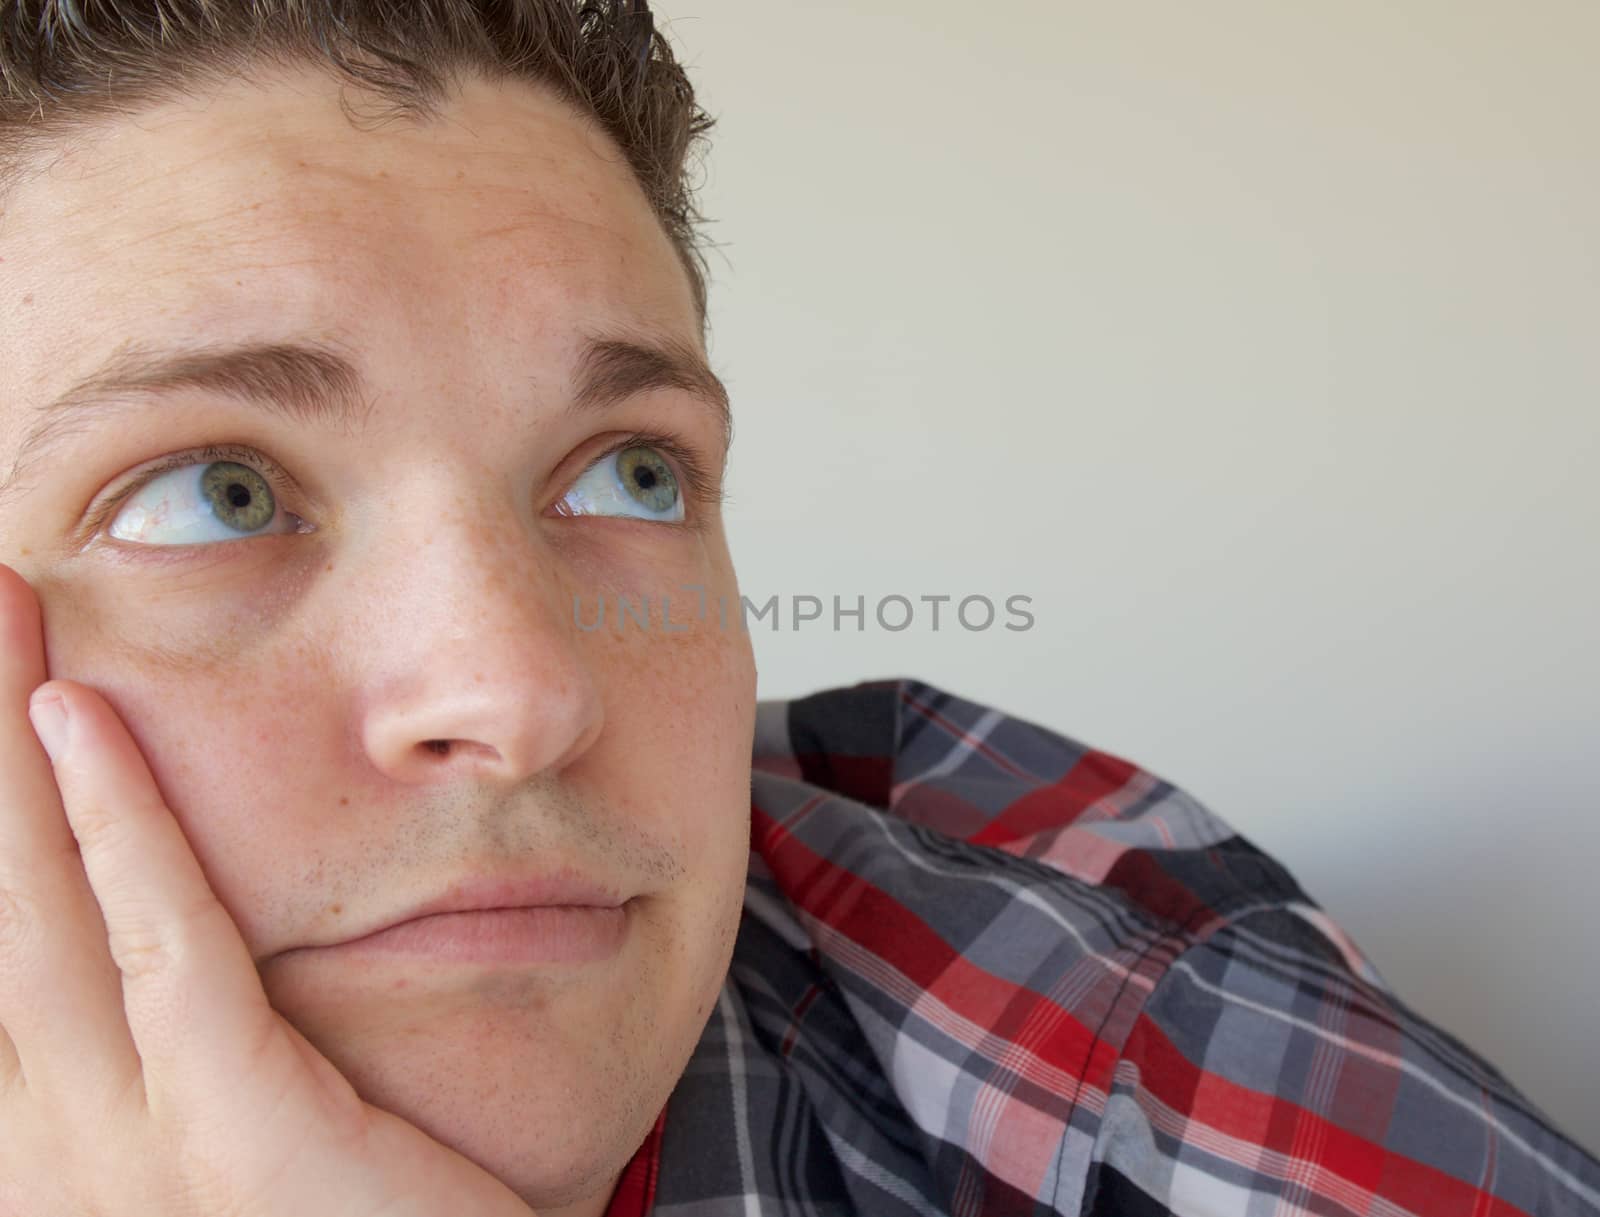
49	716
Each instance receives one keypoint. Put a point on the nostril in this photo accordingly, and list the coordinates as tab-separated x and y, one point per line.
440	747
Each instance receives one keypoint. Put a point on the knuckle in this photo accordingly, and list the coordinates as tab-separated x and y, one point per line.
97	831
141	955
204	1174
102	823
20	927
146	946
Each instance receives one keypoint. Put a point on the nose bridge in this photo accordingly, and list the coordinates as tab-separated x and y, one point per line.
451	525
479	551
471	647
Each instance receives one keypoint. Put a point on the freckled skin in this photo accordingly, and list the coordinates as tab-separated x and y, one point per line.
284	688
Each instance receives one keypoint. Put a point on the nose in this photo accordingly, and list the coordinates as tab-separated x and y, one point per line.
471	664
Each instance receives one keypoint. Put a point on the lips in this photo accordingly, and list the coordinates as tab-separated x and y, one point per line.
564	889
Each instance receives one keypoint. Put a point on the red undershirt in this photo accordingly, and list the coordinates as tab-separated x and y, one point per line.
636	1190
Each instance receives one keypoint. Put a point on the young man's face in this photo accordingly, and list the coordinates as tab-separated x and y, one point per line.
286	657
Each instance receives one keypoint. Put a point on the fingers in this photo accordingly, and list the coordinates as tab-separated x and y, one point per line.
192	996
193	999
62	1027
127	971
118	962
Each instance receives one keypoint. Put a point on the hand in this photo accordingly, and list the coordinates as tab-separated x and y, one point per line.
142	1071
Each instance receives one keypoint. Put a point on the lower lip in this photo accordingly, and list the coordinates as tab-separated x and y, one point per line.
553	934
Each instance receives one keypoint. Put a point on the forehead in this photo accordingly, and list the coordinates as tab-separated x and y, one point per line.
264	208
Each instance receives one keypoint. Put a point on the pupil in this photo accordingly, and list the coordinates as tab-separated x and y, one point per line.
645	477
238	495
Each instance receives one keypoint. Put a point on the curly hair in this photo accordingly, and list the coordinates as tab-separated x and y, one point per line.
67	66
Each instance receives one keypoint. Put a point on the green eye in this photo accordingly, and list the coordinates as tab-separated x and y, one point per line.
238	496
196	503
647	478
633	482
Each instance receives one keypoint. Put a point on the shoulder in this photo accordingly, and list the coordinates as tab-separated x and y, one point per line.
1019	915
1264	1071
971	773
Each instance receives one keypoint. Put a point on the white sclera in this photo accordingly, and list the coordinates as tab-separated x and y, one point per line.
175	503
602	491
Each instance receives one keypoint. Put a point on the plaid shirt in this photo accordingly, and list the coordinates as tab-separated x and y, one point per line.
985	969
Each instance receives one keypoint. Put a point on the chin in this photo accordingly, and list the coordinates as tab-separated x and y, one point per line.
549	1094
554	1135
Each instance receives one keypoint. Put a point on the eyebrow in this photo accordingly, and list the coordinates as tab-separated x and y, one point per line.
312	382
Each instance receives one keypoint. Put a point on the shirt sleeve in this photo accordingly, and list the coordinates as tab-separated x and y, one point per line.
1269	1071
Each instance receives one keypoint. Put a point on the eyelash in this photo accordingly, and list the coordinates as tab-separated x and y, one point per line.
690	470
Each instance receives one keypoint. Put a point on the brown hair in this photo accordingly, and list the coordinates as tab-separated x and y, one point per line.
71	65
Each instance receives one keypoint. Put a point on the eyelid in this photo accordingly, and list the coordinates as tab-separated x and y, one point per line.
691	470
703	487
101	515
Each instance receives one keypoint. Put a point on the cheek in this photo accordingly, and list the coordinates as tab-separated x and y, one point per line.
197	703
232	752
246	808
675	750
197	617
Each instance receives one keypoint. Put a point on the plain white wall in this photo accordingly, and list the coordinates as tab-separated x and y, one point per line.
1255	342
